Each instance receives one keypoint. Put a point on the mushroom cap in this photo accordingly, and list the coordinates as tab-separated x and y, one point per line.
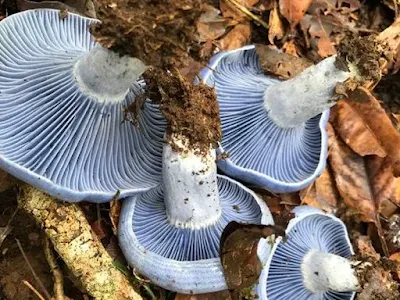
260	152
185	260
54	136
310	230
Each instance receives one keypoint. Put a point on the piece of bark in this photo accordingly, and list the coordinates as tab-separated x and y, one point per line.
69	231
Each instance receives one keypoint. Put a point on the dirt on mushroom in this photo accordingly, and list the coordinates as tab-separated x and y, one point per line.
160	33
191	110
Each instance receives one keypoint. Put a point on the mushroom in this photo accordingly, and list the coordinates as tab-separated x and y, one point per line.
273	131
171	234
313	263
62	97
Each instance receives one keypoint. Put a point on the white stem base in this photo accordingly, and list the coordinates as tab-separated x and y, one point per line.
292	102
105	75
325	271
190	187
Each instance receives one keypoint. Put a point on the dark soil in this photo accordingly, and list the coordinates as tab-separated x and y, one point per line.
365	53
13	267
160	33
191	110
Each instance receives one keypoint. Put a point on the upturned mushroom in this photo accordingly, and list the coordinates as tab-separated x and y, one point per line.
313	263
62	98
273	131
171	234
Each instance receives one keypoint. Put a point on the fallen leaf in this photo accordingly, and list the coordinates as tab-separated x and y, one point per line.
229	10
210	25
115	212
223	295
276	30
380	173
354	132
99	227
351	178
236	38
279	63
293	10
375	117
320	35
289	47
238	252
322	193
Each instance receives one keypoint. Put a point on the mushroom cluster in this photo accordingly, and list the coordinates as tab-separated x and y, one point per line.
273	131
62	130
62	98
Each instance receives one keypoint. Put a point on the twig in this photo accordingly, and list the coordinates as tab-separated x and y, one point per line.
381	236
7	229
55	270
32	288
248	13
38	281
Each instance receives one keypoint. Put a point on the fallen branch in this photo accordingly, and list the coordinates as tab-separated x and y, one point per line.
69	231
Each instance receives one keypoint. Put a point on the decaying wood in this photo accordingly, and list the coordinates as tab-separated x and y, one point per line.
69	231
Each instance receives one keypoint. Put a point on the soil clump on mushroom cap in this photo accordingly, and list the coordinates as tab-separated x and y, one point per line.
191	110
163	35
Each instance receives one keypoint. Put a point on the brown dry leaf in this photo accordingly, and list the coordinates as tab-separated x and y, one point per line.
289	47
276	29
351	178
354	132
114	213
395	197
229	10
236	38
210	25
238	252
322	193
375	117
320	35
223	295
279	63
293	10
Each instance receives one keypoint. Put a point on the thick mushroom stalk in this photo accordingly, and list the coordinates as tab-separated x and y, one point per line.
325	271
292	102
190	186
106	75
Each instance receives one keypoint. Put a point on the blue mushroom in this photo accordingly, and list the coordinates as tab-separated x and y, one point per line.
313	263
62	98
273	130
171	234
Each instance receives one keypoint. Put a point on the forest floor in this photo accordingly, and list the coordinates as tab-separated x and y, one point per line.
360	184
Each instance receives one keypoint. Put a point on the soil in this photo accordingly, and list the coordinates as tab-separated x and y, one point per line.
13	267
388	90
363	52
191	110
160	33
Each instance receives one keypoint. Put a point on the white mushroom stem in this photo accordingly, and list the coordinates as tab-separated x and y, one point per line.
190	186
292	102
105	75
325	271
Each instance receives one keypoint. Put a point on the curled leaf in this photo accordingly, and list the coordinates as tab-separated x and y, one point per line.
238	252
